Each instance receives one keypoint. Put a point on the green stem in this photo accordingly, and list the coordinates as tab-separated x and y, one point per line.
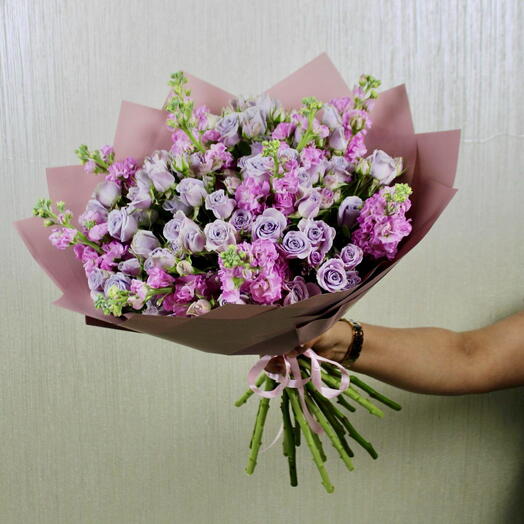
308	435
356	436
245	397
289	440
259	429
82	239
343	402
373	393
194	141
330	432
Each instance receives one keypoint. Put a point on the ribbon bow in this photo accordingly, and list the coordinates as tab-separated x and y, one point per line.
292	378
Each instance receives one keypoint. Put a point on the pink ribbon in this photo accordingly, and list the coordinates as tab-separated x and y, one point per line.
292	378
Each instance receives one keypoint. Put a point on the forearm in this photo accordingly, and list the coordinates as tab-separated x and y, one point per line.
423	360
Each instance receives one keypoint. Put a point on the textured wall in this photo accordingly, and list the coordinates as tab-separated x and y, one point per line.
108	427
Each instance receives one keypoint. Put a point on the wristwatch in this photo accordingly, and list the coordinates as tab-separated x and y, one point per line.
353	351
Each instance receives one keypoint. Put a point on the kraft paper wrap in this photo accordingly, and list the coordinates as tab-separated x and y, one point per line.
430	161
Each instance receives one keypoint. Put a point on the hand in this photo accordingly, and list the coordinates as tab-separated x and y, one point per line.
332	344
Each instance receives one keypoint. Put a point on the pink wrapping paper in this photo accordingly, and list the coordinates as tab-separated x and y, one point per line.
430	159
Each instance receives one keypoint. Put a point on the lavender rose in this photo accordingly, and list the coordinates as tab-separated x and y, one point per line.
337	139
349	210
191	237
130	267
175	204
309	205
121	225
144	242
269	225
118	280
296	245
318	233
220	204
256	165
330	117
351	256
139	196
107	193
384	168
97	278
219	235
172	228
331	275
227	126
160	257
192	191
253	122
199	307
353	279
241	219
298	290
94	212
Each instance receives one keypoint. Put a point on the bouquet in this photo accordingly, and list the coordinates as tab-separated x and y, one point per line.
247	226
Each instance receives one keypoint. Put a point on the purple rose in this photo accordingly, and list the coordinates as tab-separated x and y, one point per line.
119	280
192	191
349	210
331	275
175	204
107	193
384	168
296	245
351	256
227	126
269	225
219	235
199	307
353	279
146	217
121	225
241	219
130	267
191	237
200	164
298	290
172	228
160	257
253	122
337	139
220	204
316	257
97	278
144	242
330	117
139	196
156	168
338	164
231	181
268	106
255	165
309	205
318	233
94	212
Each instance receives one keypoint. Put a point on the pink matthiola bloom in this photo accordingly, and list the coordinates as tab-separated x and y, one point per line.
264	252
218	156
62	237
123	171
138	290
266	288
97	232
211	135
158	278
249	193
181	142
341	104
112	251
201	113
85	253
356	148
283	130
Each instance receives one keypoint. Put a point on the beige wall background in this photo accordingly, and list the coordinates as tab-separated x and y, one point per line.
108	427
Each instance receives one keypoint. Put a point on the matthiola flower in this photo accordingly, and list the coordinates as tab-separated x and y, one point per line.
217	156
337	139
219	235
331	276
97	232
221	205
201	115
227	127
384	169
62	237
231	181
121	224
241	219
356	148
123	171
107	193
349	210
266	288
269	225
250	192
112	251
330	117
382	222
158	278
181	143
283	130
351	256
144	242
264	252
295	244
138	294
192	191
